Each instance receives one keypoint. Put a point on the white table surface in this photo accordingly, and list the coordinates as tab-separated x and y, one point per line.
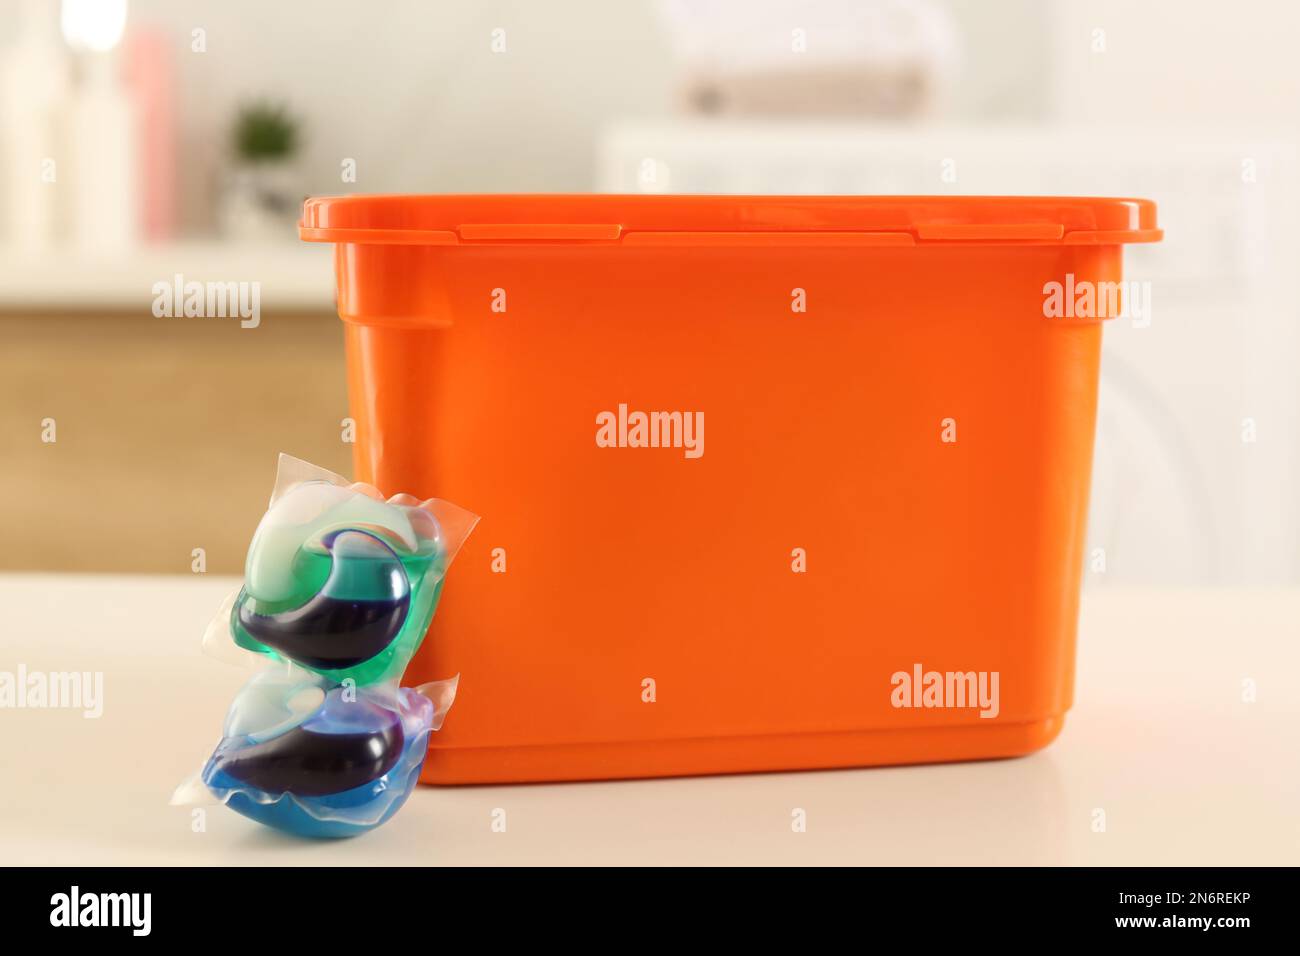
1159	739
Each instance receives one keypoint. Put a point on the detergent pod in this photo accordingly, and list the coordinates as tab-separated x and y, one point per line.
342	582
340	586
322	760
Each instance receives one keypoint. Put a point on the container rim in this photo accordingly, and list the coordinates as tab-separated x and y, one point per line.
686	220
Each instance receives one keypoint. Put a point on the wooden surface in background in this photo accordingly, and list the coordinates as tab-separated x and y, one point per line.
167	434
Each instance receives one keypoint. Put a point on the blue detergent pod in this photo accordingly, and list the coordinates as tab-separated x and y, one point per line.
337	770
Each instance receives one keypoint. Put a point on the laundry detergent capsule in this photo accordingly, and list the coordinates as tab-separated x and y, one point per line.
347	767
339	588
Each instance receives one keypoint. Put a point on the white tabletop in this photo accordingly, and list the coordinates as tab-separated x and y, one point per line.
1160	740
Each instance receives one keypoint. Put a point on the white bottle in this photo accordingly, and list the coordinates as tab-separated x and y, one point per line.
33	93
102	178
100	130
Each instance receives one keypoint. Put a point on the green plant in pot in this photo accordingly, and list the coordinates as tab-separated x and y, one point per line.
262	193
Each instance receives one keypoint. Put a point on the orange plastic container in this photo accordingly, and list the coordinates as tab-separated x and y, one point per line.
859	543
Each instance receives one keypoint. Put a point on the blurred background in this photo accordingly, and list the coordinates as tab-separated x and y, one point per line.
147	139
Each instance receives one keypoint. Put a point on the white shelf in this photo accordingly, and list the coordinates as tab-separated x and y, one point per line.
294	276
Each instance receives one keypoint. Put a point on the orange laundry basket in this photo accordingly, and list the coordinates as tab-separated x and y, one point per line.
767	483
